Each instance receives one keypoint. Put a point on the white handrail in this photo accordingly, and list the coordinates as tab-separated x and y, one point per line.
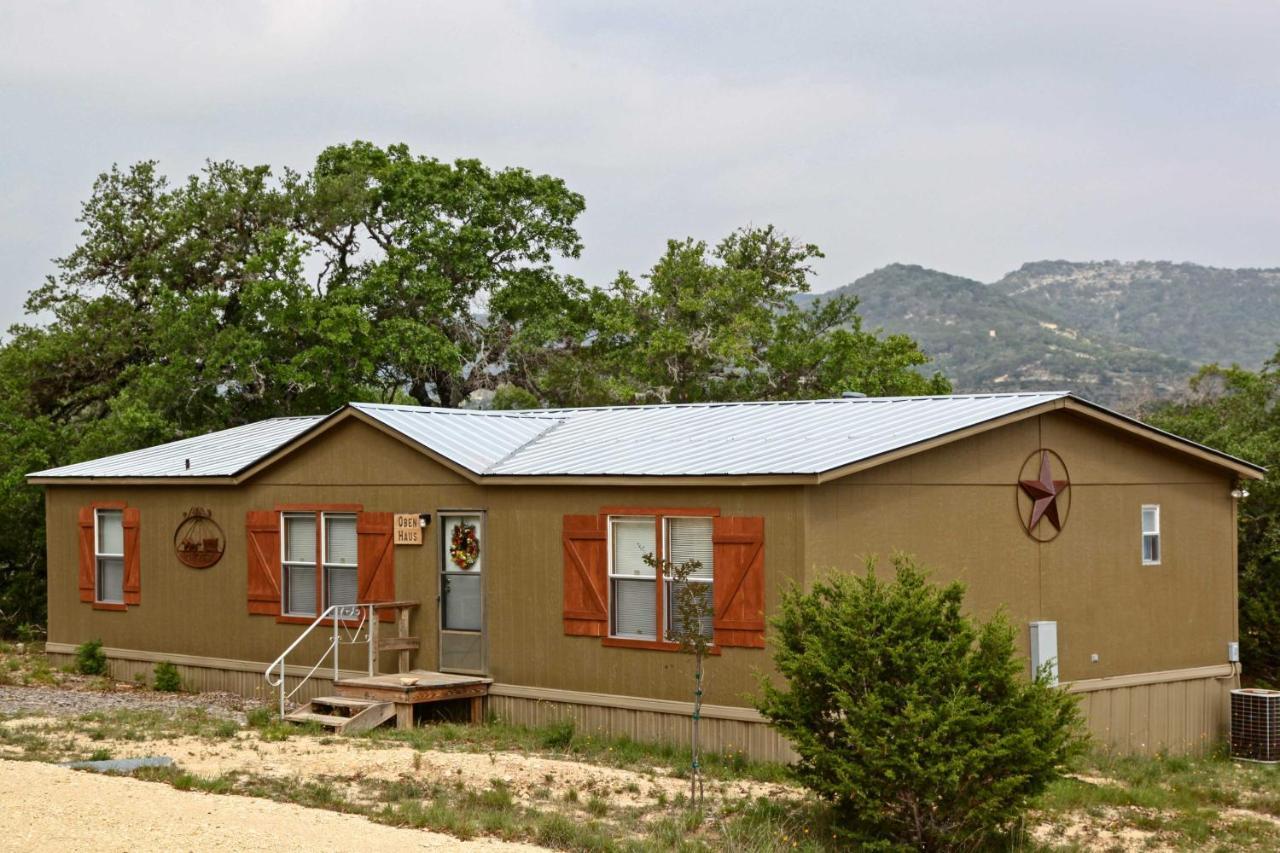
338	613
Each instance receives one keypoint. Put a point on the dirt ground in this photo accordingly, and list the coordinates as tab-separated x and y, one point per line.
53	808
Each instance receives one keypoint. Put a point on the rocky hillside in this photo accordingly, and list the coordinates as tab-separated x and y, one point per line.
1122	334
1199	313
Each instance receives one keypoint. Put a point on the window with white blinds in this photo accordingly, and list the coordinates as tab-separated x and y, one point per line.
689	540
109	554
633	602
340	559
318	554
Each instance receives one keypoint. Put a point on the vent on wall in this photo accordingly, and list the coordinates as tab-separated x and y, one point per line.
1255	725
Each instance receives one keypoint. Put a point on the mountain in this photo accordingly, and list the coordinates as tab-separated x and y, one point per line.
1121	334
1203	314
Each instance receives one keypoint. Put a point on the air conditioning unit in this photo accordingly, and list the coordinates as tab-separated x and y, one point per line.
1255	725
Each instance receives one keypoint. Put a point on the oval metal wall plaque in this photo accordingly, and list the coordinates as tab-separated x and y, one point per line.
199	541
1044	495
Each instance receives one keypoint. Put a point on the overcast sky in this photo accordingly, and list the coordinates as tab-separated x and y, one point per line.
969	137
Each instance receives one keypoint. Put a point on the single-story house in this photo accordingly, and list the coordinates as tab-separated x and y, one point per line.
1110	545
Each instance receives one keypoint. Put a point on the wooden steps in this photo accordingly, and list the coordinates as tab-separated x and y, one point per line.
344	714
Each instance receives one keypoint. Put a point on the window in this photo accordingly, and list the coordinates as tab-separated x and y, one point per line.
109	555
1151	535
638	602
689	539
632	583
340	578
335	542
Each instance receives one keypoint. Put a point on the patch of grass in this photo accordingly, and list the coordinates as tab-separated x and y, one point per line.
597	806
100	755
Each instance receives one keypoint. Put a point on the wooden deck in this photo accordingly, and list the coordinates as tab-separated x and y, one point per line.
417	687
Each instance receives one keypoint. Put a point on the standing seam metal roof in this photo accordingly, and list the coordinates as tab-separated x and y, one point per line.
697	439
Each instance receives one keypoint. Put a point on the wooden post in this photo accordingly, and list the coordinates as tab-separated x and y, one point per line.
375	665
402	624
477	710
404	715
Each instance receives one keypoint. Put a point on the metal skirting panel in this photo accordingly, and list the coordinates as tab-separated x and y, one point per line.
1186	717
202	679
756	740
1185	712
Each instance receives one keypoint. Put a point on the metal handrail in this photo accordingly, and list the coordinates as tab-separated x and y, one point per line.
339	614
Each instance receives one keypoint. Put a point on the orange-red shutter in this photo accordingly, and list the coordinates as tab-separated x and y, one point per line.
738	591
376	560
132	557
262	537
87	582
585	576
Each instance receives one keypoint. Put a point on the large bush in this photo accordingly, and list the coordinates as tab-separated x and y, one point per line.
916	723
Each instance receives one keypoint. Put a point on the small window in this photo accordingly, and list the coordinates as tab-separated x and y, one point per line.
340	559
689	539
109	555
1151	535
299	561
633	590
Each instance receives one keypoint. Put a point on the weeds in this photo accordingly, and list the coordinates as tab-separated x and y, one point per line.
91	659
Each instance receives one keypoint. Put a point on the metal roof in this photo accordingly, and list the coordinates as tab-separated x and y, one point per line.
808	437
796	437
476	440
216	454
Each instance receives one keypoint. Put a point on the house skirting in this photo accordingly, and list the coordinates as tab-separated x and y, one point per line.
1179	712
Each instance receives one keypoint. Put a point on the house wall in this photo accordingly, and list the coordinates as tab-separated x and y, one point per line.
954	507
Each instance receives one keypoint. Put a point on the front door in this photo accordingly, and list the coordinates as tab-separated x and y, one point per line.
462	647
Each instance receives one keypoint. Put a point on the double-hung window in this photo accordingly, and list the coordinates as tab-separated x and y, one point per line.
1151	535
643	605
308	581
109	555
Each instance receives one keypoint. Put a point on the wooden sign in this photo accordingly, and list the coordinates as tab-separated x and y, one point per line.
408	529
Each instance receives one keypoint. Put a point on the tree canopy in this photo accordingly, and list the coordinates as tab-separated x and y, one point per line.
243	292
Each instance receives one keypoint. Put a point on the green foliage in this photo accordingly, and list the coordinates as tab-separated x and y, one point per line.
90	658
166	678
558	735
914	722
720	324
1238	411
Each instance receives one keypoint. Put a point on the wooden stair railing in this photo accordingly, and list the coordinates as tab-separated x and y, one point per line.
402	642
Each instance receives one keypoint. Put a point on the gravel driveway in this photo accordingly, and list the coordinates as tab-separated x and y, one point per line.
66	701
53	808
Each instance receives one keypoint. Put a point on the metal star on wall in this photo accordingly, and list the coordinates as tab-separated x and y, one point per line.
1044	492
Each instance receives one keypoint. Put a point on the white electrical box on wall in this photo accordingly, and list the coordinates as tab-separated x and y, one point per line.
1233	653
1044	649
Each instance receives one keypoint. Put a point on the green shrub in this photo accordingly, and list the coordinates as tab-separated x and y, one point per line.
558	735
91	659
911	720
166	677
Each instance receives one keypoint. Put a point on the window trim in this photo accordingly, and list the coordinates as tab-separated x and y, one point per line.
659	516
98	600
1155	534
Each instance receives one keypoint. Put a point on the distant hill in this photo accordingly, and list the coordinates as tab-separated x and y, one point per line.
1199	313
1122	334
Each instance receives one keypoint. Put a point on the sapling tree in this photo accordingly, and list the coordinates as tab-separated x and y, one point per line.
690	628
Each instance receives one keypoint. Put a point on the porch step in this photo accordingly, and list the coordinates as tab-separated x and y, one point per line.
344	714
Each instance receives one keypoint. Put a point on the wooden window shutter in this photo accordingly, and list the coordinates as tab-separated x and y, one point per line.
262	535
585	576
376	560
87	568
738	591
132	556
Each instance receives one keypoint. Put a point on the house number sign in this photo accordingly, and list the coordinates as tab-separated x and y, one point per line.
408	529
198	541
